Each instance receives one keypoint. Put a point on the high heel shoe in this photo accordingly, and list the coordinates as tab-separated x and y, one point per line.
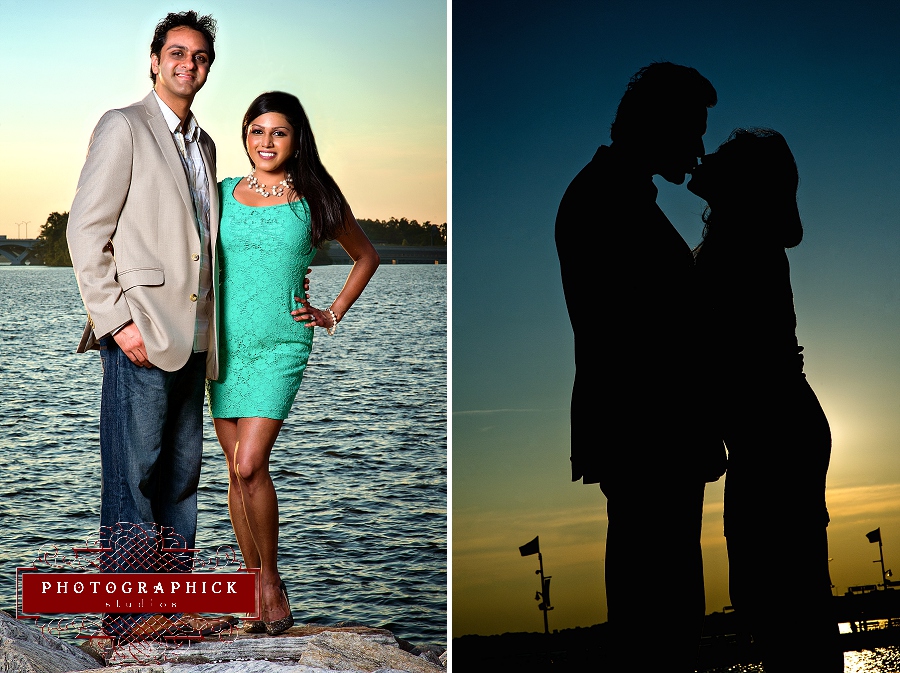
254	627
273	628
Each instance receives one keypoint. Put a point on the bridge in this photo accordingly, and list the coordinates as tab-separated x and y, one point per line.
18	251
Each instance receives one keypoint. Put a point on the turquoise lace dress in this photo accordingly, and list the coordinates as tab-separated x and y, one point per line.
263	256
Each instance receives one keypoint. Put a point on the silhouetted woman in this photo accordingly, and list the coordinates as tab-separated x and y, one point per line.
778	438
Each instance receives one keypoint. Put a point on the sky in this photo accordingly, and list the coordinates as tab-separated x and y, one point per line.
371	75
534	90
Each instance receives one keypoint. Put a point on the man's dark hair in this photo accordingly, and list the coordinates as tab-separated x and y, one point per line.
658	91
203	24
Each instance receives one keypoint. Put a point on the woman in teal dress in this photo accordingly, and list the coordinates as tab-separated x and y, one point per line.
273	220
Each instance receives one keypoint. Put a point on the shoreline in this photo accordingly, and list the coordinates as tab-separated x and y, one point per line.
348	648
582	648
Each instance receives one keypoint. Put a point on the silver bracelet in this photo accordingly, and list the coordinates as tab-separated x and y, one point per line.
331	330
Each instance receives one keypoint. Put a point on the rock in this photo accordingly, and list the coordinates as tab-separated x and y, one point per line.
301	649
227	667
336	650
430	656
430	653
25	649
287	647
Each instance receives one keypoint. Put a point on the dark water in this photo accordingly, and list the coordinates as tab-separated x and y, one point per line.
360	466
880	660
587	649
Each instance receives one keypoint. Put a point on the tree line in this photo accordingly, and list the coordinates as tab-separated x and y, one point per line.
404	232
52	249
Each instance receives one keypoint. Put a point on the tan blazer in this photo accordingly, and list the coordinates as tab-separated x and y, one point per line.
133	238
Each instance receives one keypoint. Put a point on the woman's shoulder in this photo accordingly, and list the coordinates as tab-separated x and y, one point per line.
226	185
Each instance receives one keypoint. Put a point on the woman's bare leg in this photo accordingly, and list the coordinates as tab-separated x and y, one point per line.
226	431
255	438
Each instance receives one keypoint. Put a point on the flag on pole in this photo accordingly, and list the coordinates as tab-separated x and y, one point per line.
874	536
532	547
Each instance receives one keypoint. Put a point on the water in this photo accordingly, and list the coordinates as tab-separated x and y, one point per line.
879	660
360	466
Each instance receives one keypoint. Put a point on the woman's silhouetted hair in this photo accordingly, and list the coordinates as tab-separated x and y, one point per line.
327	205
759	180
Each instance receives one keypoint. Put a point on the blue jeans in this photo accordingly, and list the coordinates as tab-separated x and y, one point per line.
151	447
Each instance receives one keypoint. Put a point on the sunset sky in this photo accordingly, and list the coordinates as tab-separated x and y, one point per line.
371	74
535	87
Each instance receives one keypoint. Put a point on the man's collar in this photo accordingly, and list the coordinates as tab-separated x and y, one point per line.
174	123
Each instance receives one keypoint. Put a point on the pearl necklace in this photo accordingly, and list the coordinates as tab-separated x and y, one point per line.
277	190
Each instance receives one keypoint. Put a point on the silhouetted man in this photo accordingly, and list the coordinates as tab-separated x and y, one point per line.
628	281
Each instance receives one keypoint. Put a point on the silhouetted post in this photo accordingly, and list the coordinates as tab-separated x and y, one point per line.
543	595
875	536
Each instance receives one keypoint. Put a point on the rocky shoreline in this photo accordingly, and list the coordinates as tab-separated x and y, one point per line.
312	648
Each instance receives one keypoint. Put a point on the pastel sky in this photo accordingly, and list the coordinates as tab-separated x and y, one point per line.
371	74
535	87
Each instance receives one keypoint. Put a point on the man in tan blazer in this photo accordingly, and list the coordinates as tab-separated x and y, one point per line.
142	235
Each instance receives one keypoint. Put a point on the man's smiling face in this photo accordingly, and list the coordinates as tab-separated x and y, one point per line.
182	65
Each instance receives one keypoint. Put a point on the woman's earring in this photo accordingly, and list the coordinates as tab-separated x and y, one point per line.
296	153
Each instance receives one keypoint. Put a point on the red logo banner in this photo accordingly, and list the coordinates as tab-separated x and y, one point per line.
72	592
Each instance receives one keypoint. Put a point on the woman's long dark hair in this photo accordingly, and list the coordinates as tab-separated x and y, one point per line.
327	205
760	177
